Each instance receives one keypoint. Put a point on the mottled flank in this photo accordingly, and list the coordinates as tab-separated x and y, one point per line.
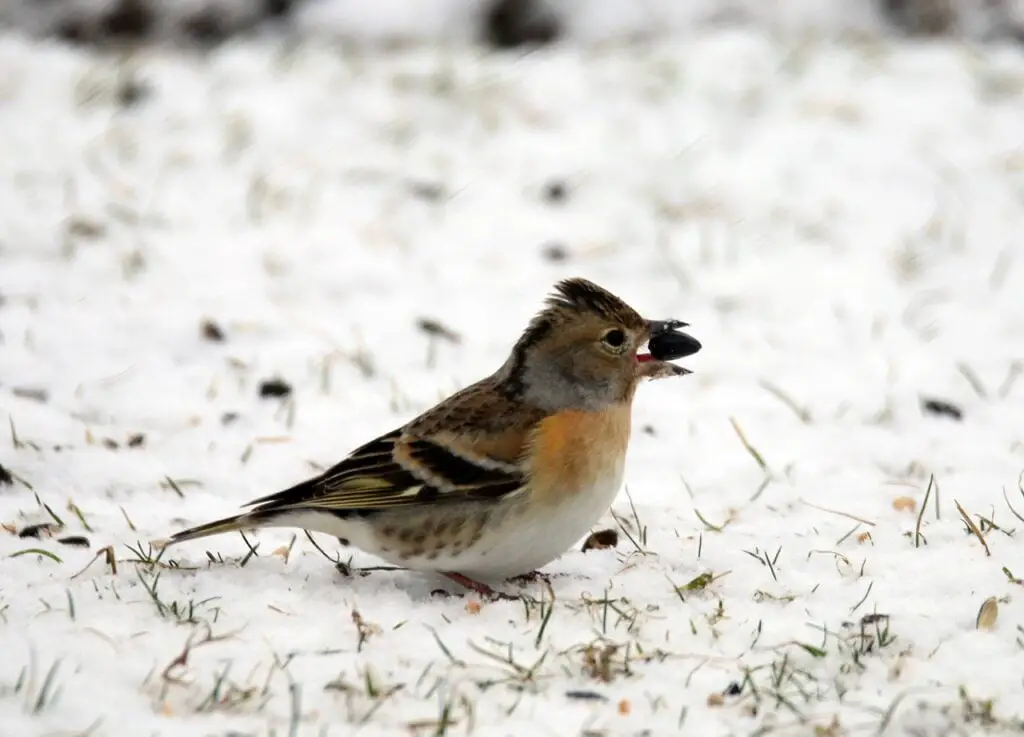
428	535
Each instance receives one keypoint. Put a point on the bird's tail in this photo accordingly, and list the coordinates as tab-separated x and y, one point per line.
243	521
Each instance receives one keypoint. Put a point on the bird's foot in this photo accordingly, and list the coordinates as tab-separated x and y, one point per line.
480	588
531	577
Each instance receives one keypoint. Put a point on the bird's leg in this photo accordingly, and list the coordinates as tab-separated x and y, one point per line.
475	586
531	577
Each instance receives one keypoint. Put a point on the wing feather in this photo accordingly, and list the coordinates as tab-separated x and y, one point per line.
394	471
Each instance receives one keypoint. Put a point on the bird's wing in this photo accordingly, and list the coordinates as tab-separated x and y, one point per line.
400	470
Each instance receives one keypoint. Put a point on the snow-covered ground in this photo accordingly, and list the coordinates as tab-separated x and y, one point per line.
840	224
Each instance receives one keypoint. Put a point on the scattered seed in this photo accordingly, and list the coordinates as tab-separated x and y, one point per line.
228	417
601	540
511	23
555	252
555	192
212	332
206	27
873	618
37	530
904	504
75	541
275	388
81	227
110	444
625	707
585	696
136	440
129	19
987	614
130	92
716	699
29	392
941	407
429	191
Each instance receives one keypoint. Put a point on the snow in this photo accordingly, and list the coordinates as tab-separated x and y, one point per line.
839	221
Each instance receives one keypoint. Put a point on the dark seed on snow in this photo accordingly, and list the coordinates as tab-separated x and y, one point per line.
942	407
555	252
74	30
430	191
555	191
29	392
585	696
131	92
36	530
75	541
512	23
873	618
277	8
275	388
601	540
128	19
207	27
212	331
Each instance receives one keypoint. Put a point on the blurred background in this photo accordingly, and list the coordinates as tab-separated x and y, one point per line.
498	23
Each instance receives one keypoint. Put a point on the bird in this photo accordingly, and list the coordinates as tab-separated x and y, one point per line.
505	475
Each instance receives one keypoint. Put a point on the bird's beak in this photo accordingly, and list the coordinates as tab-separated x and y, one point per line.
666	343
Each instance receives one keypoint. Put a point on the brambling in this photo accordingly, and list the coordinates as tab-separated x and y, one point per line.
505	475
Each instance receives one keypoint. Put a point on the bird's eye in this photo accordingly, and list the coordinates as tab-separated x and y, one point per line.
614	338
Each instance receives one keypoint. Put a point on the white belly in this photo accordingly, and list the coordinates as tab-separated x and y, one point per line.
529	537
541	534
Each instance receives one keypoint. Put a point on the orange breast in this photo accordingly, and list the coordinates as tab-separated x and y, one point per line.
572	450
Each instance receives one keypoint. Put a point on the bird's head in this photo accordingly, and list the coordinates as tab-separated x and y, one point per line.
582	351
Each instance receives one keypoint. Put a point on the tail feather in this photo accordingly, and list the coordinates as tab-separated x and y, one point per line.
227	524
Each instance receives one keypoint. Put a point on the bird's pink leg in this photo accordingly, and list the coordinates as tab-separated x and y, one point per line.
477	587
531	577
